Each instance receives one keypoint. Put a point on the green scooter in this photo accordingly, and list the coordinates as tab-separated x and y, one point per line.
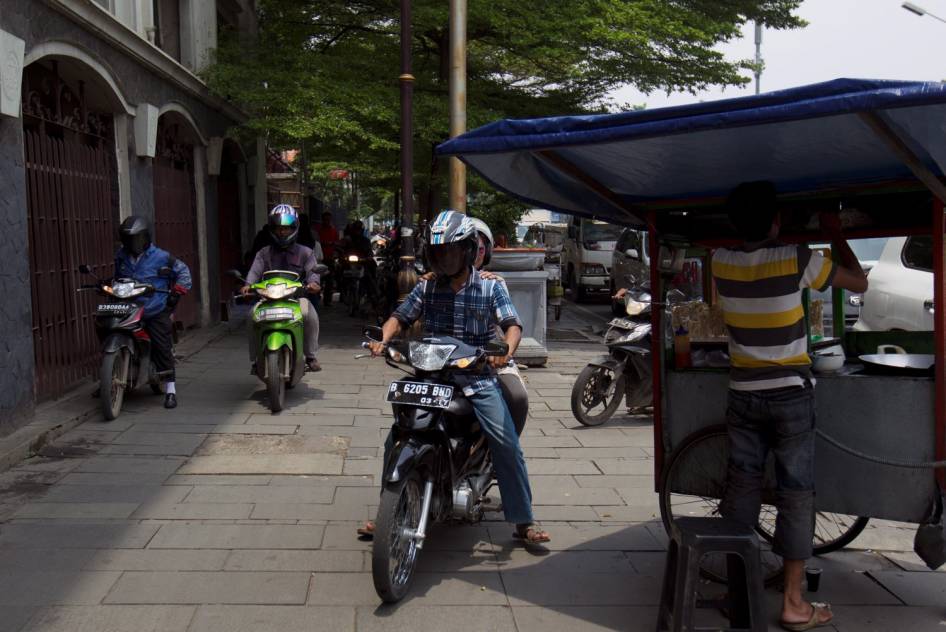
276	343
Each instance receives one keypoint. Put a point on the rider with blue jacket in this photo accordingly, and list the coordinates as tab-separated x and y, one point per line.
142	261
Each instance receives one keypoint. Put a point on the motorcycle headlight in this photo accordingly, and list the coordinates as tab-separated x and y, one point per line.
277	291
124	290
427	357
353	258
273	313
636	308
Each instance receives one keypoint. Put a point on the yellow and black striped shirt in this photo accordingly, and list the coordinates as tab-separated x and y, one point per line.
760	293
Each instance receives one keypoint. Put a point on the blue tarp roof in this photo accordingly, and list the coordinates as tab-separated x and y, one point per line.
805	139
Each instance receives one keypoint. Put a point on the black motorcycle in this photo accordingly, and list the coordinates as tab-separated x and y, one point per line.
625	373
126	345
440	467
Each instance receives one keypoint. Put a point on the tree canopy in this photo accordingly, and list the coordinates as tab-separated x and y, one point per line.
324	72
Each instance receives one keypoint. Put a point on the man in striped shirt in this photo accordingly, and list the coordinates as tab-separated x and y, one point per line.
771	396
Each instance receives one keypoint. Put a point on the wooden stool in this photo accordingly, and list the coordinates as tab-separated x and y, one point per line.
690	540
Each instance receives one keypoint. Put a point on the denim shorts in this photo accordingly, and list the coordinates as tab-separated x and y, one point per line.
781	421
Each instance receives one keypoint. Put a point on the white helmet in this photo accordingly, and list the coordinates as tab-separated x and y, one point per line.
487	234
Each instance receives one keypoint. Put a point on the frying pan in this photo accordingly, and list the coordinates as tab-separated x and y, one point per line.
898	363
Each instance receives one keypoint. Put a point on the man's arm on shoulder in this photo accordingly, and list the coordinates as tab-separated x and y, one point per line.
502	308
182	275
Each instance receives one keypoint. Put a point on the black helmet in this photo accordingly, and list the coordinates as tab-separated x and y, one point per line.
452	244
135	234
284	215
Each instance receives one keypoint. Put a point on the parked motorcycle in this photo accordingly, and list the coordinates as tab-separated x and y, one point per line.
276	343
625	373
126	345
354	282
440	467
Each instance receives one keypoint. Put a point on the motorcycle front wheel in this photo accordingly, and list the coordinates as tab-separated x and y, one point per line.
275	384
596	395
395	552
113	379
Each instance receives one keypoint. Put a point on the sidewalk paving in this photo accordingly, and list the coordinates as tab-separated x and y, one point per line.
220	516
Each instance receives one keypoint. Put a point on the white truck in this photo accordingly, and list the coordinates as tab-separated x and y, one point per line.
586	257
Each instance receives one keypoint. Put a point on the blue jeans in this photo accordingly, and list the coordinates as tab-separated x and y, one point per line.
783	421
508	460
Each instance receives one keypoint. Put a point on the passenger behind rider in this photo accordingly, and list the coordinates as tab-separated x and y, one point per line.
287	254
141	260
510	381
482	304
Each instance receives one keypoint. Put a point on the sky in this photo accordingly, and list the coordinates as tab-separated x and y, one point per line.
867	39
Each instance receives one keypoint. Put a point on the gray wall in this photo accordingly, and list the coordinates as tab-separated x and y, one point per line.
36	23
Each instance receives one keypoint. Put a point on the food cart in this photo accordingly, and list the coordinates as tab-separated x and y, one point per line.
874	151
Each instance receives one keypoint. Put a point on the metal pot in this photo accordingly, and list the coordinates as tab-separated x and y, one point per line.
899	362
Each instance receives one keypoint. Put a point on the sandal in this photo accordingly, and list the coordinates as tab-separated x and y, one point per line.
531	534
813	622
366	530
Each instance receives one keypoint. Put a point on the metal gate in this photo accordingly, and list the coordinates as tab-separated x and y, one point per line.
175	222
71	213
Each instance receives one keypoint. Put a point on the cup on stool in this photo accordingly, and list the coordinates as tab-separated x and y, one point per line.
812	578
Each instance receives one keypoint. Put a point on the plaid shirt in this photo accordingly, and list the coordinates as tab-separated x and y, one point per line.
470	315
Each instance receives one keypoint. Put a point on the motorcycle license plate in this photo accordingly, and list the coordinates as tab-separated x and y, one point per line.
117	308
353	274
420	394
623	323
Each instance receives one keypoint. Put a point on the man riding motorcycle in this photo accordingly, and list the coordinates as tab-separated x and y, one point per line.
288	255
461	304
139	259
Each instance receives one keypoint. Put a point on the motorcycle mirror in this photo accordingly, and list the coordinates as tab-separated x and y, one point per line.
85	269
321	269
236	274
373	333
498	349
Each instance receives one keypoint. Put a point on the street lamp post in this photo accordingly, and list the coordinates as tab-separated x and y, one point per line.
758	56
920	11
407	276
457	188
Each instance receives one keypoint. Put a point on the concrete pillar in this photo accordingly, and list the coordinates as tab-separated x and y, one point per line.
200	191
198	33
122	158
256	174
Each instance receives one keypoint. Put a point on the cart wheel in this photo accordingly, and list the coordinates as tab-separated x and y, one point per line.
698	466
833	531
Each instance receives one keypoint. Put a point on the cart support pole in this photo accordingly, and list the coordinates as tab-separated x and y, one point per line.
656	350
939	328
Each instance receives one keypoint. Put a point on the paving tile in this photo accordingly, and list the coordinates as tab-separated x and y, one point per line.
258	429
626	466
198	587
43	588
75	536
301	511
635	513
193	511
76	510
57	559
549	442
585	538
182	428
576	496
363	466
913	589
888	618
14	618
561	466
260	494
127	464
156	560
281	618
461	589
115	494
566	618
112	619
264	464
564	513
201	536
282	560
417	618
629	452
147	479
223	479
540	588
615	481
169	439
324	481
557	562
342	537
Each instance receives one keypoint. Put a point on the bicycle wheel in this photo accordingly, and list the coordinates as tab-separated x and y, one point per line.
833	531
693	484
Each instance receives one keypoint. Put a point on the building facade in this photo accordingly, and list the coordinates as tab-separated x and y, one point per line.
103	115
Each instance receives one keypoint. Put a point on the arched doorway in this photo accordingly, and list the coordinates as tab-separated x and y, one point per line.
175	204
72	212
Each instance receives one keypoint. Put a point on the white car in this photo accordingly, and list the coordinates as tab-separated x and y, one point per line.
900	294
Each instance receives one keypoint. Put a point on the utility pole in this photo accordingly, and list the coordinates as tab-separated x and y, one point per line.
407	276
758	55
458	11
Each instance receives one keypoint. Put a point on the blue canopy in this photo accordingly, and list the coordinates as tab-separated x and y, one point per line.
806	140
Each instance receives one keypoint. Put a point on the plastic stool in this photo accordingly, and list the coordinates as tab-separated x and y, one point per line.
690	540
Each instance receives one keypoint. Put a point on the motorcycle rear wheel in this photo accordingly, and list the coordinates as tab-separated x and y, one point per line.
394	554
590	405
113	380
275	384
